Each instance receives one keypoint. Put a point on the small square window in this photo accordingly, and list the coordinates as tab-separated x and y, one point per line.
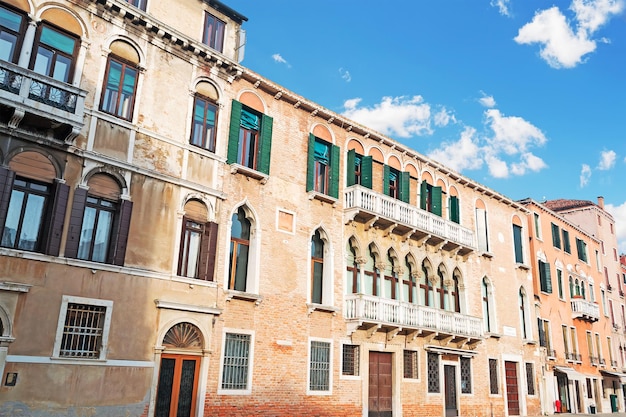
213	32
83	328
350	360
410	364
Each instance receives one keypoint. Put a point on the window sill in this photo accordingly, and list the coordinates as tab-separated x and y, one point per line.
249	172
530	342
321	307
523	267
323	197
245	296
494	335
194	281
487	255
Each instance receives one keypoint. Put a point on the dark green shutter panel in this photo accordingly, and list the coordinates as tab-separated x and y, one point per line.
366	171
350	177
310	172
405	186
333	188
423	194
517	243
546	279
386	171
57	219
121	227
454	209
233	136
436	201
266	144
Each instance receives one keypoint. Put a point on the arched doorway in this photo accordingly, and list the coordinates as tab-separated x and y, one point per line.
179	371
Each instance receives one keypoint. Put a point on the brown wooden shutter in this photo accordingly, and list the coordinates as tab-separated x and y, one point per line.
76	222
208	249
119	240
61	193
6	186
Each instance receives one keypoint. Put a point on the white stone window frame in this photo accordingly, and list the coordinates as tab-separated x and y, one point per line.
309	391
67	299
248	389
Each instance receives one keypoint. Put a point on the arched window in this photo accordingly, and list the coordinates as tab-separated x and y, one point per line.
486	305
196	258
409	284
204	122
12	28
426	288
100	222
455	295
481	226
371	275
442	291
54	54
522	314
571	287
239	248
518	241
120	81
317	267
353	274
391	278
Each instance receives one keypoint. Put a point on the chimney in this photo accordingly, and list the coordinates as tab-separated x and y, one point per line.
601	202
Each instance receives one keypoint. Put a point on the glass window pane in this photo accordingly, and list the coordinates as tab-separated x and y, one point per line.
43	61
57	40
33	216
86	233
103	233
192	253
10	19
7	46
241	267
13	219
62	68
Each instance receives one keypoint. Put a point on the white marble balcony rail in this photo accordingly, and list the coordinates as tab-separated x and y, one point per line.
367	308
582	307
382	205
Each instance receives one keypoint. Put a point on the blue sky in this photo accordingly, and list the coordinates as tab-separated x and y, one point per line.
527	97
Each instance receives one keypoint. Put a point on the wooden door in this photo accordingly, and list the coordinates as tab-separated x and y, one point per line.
178	385
449	372
512	390
380	385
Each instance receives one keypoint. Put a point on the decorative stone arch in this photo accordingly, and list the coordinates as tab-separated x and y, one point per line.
412	261
6	325
428	265
328	266
411	169
183	335
23	5
355	243
377	253
524	307
34	163
210	216
356	145
441	183
454	192
376	154
394	162
115	174
251	99
206	87
254	249
541	255
428	177
487	295
65	18
320	130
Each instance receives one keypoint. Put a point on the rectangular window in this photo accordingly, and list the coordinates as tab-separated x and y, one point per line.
556	236
537	223
454	209
203	124
481	230
250	138
410	364
566	244
213	32
197	250
530	378
350	360
493	377
559	279
323	167
319	366
430	198
26	214
466	375
140	4
120	84
544	277
396	183
581	247
517	243
359	170
236	367
83	328
433	372
12	27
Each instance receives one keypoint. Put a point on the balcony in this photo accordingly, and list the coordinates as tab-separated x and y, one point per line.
585	310
40	104
371	313
374	209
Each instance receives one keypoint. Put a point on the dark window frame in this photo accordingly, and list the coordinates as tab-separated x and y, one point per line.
207	248
213	32
323	178
19	34
263	140
350	360
56	52
140	4
411	364
116	107
206	140
317	268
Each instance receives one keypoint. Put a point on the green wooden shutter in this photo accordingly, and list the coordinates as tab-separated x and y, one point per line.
333	188
265	147
454	209
556	236
423	194
517	243
546	279
436	200
405	186
350	177
233	136
310	172
386	171
366	171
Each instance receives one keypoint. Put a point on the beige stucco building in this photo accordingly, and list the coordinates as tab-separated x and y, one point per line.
183	237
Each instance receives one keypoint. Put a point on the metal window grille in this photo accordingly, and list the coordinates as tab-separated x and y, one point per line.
236	361
319	378
350	362
82	332
493	376
433	372
410	364
530	378
466	376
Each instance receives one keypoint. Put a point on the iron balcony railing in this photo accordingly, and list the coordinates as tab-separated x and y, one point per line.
584	308
29	92
382	205
372	309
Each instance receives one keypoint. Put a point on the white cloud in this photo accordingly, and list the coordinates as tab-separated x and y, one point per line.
607	160
502	5
529	162
497	167
443	118
487	101
279	59
585	175
460	155
561	44
512	135
619	214
345	75
394	116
